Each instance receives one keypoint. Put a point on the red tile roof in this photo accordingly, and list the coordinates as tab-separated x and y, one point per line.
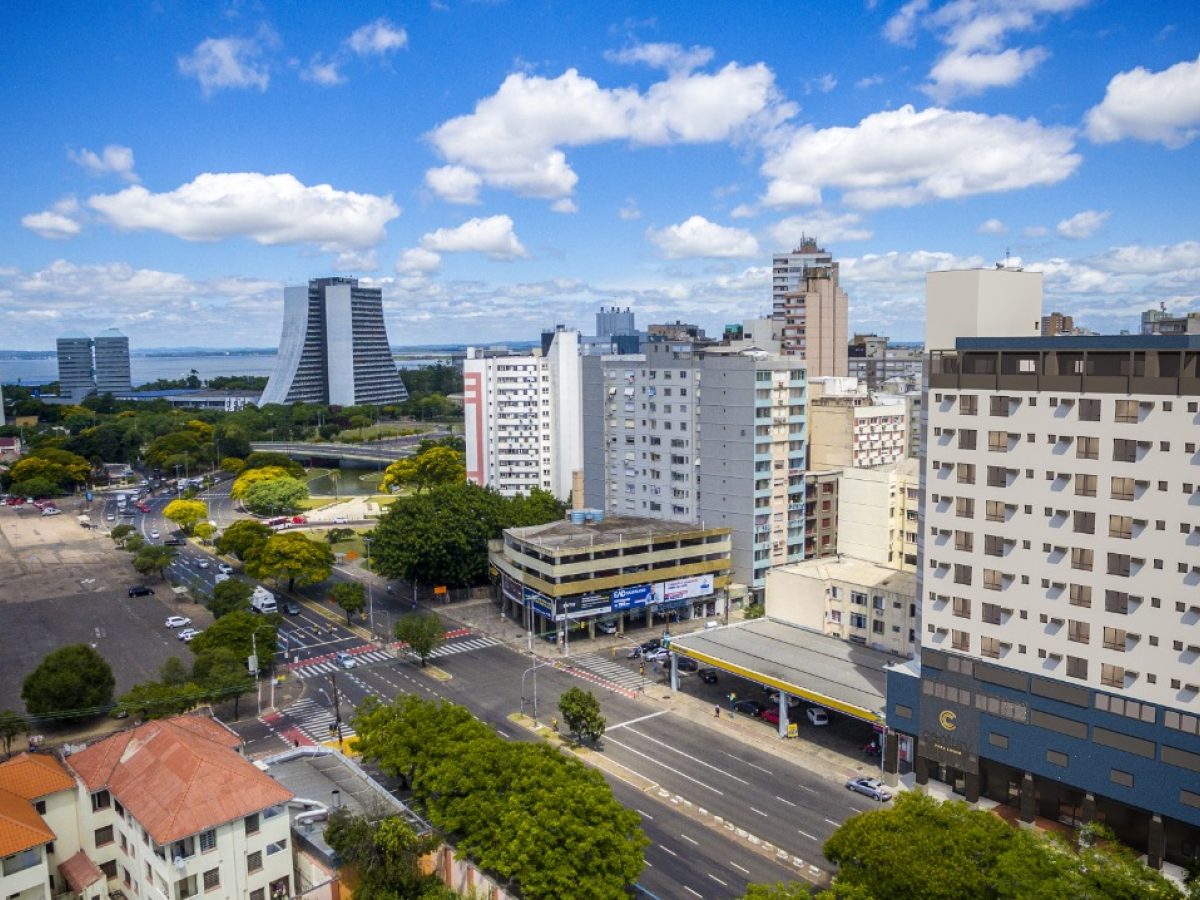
34	775
21	828
80	872
178	776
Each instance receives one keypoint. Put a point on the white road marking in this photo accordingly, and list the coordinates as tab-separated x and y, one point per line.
716	879
744	763
689	756
833	823
501	733
741	869
647	862
645	814
693	893
781	800
807	835
657	762
760	812
806	788
693	841
661	712
668	850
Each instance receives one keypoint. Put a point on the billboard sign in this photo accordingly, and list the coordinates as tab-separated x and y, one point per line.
684	588
586	603
631	597
540	601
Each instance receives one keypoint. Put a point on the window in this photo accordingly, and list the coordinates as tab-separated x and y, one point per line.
1120	527
208	840
1081	558
104	835
964	507
1120	564
100	800
1079	632
995	511
1085	485
1087	448
968	405
277	847
1124	450
19	862
993	580
258	894
1084	522
1122	488
1089	410
998	441
993	545
962	574
1081	595
1126	411
185	887
997	476
212	879
966	439
254	861
858	620
966	473
1116	602
960	640
991	613
998	405
1076	667
1114	639
964	540
962	607
1112	676
251	824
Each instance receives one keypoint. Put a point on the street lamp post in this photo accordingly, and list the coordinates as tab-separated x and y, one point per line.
370	596
533	669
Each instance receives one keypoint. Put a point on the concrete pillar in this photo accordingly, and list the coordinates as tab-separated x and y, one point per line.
591	628
674	672
921	769
783	714
620	623
1088	812
1028	810
1156	843
649	617
891	757
971	787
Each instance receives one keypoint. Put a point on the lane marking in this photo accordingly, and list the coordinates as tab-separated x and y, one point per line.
833	823
807	835
804	787
657	762
647	862
641	812
693	893
661	712
693	841
781	800
745	763
668	849
716	879
502	734
760	812
741	869
689	756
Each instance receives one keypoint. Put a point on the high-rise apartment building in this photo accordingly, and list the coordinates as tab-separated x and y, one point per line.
811	308
112	363
76	378
334	347
1060	583
873	362
523	417
701	435
1056	323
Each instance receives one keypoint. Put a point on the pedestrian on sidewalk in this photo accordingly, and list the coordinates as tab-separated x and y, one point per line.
717	710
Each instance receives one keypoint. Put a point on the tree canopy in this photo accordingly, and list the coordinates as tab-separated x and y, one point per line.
186	513
581	712
71	683
152	558
243	538
250	477
423	632
12	726
231	595
293	556
261	459
239	632
350	596
276	496
386	854
436	466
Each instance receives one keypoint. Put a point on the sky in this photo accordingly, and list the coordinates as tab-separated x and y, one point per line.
502	167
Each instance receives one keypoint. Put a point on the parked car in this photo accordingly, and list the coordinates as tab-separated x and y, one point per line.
109	517
292	608
187	634
225	568
178	621
51	511
154	535
652	644
345	660
141	591
687	664
708	676
751	708
607	627
817	716
659	655
792	701
771	715
869	787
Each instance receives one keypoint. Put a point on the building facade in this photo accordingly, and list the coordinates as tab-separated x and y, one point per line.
810	308
112	363
523	418
856	430
1157	321
1060	584
872	360
878	514
76	376
334	347
1056	323
821	513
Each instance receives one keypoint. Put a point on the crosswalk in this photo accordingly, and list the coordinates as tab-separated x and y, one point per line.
314	720
609	670
332	665
452	647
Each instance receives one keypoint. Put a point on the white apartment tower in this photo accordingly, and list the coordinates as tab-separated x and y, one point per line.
810	308
523	417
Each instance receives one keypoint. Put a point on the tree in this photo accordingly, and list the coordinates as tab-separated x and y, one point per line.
71	684
350	596
35	487
223	675
436	466
385	853
158	700
204	530
240	633
12	726
423	632
261	459
120	533
256	475
243	538
538	508
294	557
173	672
581	712
186	513
232	464
337	535
275	496
754	611
153	558
232	595
133	543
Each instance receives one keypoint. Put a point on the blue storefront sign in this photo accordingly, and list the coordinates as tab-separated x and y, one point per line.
542	603
631	597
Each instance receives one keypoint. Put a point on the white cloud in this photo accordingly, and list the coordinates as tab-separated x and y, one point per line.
903	157
455	184
671	57
564	205
59	222
219	63
112	160
827	227
992	226
976	33
1141	260
1162	107
493	236
629	210
1083	224
513	138
1035	231
744	211
356	261
698	237
868	81
267	209
325	72
823	83
417	260
378	38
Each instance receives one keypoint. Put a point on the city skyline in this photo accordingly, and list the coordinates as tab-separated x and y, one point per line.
657	163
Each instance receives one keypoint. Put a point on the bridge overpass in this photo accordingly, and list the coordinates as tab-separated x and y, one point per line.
380	453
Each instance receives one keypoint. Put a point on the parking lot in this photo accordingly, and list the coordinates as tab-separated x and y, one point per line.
62	584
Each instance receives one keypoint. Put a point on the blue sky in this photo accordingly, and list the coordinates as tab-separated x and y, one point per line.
502	167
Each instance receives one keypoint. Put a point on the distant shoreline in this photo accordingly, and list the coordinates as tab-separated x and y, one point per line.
450	350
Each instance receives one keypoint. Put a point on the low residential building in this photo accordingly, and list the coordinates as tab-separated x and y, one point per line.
36	805
848	598
10	449
877	514
578	573
229	401
1157	321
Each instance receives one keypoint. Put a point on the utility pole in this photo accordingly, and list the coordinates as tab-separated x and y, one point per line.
337	708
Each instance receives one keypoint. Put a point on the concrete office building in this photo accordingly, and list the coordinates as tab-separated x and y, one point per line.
810	308
112	363
874	362
334	347
616	332
701	435
523	417
76	378
1060	581
1056	323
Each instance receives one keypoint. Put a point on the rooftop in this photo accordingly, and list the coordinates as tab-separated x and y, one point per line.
856	571
80	872
34	775
21	828
612	530
1080	342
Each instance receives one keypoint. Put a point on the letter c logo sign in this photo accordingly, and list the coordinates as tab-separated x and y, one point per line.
946	718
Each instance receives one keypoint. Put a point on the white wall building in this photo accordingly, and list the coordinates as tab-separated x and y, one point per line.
878	514
981	302
112	363
523	418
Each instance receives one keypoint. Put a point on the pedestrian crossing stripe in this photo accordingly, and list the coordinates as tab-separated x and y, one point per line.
609	670
462	647
332	665
314	719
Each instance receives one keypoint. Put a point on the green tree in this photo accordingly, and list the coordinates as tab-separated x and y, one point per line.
158	700
186	513
120	533
230	596
204	530
232	464
386	854
423	632
536	508
256	475
262	459
292	556
436	466
581	712
12	726
277	496
223	676
173	672
243	538
153	558
240	633
133	543
754	611
35	487
337	535
72	683
350	596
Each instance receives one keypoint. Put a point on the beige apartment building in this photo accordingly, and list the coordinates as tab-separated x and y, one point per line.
810	308
877	518
853	429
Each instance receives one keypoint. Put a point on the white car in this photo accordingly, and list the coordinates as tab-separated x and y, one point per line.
660	655
817	716
51	511
225	568
187	634
792	701
607	627
339	520
178	621
221	576
154	535
109	517
345	660
203	564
